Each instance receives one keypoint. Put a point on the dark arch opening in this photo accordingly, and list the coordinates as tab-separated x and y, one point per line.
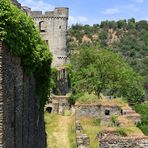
49	109
42	26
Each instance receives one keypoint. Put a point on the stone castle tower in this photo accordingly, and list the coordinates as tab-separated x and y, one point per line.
53	28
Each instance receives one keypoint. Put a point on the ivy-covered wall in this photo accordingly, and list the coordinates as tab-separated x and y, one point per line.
18	32
25	72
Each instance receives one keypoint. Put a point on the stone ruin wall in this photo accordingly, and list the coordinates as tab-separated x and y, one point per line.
60	104
124	142
21	124
96	111
82	140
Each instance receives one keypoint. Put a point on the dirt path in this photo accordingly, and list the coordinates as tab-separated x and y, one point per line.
57	131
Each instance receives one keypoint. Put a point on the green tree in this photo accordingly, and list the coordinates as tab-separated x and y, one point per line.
96	71
131	23
122	24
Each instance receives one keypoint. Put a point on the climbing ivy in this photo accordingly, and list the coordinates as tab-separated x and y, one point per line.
18	32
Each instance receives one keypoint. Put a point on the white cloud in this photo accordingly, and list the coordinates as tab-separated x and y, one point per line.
111	11
77	19
139	1
37	5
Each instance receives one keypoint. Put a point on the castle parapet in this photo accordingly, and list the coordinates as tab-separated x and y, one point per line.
58	12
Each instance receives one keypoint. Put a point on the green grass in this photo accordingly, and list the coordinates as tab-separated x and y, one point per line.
51	127
97	122
72	134
93	99
129	131
88	98
142	109
91	128
123	131
67	113
60	131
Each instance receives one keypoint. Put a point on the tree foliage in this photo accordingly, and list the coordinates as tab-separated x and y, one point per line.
142	109
96	71
18	32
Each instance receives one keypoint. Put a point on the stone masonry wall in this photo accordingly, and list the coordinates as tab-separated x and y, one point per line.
96	110
82	140
60	104
21	124
127	142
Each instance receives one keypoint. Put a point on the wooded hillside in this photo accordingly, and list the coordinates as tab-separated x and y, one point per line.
127	37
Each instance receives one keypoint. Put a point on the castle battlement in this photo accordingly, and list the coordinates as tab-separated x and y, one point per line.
59	12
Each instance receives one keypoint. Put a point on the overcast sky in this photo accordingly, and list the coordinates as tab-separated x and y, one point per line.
94	11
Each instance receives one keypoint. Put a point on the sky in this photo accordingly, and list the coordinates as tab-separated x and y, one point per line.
94	11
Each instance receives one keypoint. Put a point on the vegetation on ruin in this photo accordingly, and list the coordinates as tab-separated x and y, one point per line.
91	128
142	109
96	71
129	38
87	98
18	32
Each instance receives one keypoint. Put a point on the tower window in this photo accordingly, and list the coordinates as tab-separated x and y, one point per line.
59	27
42	26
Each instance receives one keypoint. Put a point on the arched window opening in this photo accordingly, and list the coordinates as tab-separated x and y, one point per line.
42	26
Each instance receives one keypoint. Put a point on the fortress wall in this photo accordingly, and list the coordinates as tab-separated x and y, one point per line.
21	124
